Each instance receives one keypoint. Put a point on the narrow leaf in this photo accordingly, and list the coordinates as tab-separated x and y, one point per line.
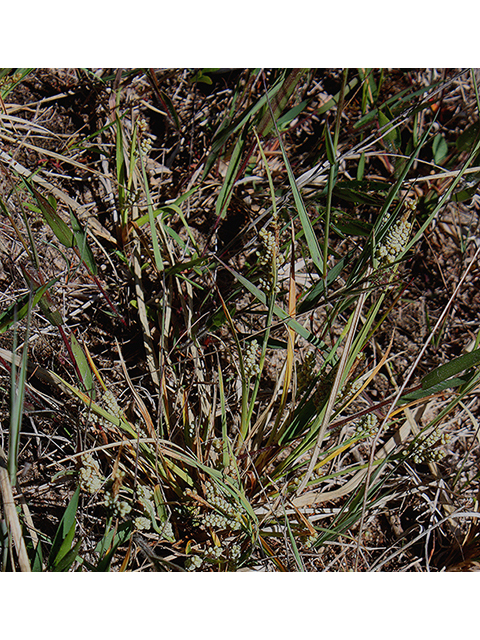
439	148
308	230
51	217
64	531
86	254
66	561
279	102
226	191
329	146
450	369
83	366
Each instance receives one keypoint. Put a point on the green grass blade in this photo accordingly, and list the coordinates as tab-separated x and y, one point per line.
296	553
51	217
151	218
86	254
83	366
65	532
451	369
226	191
310	235
279	312
227	131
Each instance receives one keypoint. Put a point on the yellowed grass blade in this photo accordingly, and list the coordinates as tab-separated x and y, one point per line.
292	307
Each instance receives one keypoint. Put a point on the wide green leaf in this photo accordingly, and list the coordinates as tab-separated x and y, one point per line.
451	369
51	217
83	366
65	532
86	254
439	148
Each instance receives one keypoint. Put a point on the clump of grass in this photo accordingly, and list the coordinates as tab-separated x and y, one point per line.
264	420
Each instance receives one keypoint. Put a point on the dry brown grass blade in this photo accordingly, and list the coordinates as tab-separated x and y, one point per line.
11	515
205	402
51	154
372	375
271	554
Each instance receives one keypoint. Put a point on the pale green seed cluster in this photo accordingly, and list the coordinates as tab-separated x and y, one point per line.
230	516
166	531
145	143
250	359
142	524
235	552
269	248
193	563
310	541
349	390
266	285
215	520
144	496
119	508
111	404
427	448
367	426
91	479
394	243
214	554
306	371
270	259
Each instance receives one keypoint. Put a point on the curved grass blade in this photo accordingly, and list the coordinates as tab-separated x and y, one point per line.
226	132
